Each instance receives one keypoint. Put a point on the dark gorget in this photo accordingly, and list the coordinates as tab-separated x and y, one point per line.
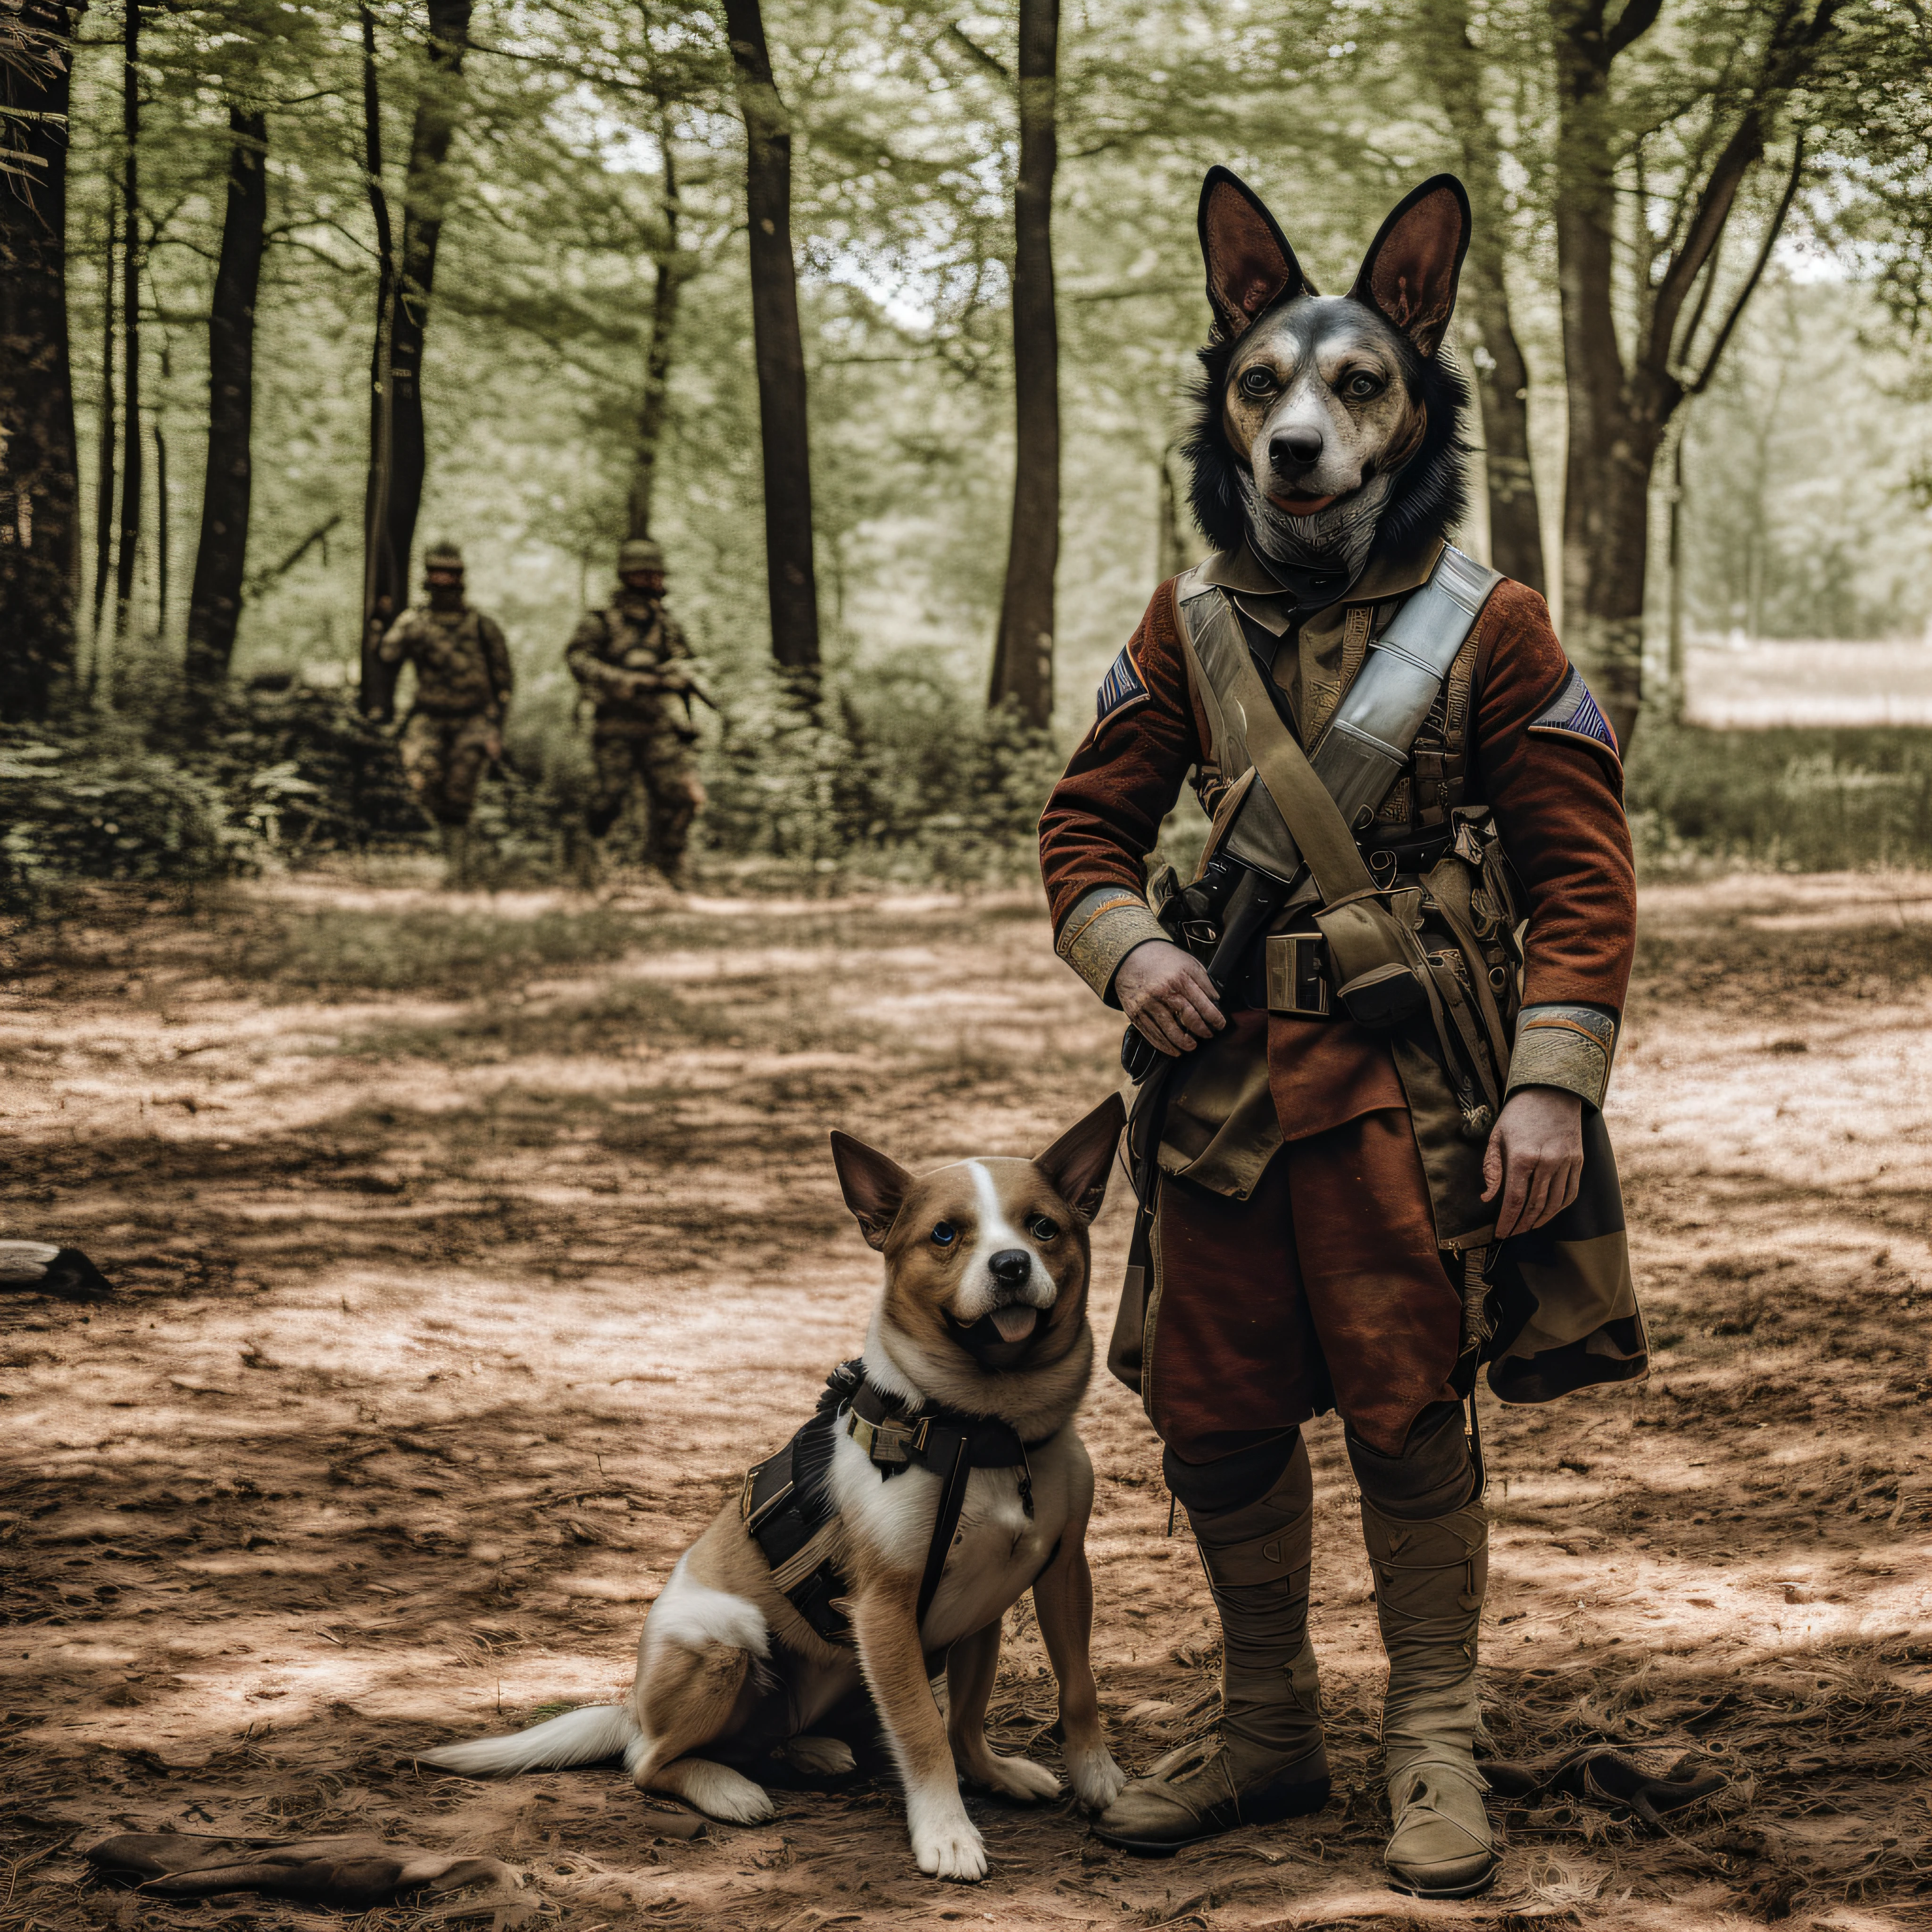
787	1501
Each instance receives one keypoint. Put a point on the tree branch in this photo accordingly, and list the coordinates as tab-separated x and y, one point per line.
991	63
1637	19
1701	382
1700	239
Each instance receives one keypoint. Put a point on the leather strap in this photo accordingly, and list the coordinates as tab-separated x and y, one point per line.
1312	816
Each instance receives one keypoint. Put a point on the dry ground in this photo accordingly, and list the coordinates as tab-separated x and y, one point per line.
470	1249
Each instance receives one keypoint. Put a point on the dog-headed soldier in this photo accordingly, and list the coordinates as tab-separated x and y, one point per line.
633	661
1380	1020
464	682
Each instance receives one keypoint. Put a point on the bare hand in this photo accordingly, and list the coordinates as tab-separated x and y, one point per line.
1534	1157
1167	993
492	748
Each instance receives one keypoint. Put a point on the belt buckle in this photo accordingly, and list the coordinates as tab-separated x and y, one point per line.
1295	985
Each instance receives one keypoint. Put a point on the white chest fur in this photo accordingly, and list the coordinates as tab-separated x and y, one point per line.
997	1549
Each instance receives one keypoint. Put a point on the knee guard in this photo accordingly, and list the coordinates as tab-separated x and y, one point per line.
1434	1475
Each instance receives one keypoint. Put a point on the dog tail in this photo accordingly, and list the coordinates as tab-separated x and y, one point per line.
578	1737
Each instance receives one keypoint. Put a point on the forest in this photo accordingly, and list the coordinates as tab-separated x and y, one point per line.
882	319
418	1219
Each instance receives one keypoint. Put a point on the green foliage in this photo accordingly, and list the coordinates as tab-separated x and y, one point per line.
104	805
898	772
1800	799
268	777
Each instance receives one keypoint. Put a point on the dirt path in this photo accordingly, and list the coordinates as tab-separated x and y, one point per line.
470	1249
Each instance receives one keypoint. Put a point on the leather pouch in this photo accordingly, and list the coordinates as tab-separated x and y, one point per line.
1376	962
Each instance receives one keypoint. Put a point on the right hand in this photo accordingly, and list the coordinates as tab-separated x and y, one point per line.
1167	993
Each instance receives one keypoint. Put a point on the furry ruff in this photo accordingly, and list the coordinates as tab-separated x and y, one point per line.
1429	494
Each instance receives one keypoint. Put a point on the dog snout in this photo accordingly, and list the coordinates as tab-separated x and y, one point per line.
1010	1267
1297	443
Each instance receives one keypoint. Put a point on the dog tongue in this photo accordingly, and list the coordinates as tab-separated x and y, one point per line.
1015	1324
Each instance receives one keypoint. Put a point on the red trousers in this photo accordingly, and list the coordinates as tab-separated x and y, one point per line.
1324	1286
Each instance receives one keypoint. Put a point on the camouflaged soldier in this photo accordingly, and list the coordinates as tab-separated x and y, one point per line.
463	681
634	665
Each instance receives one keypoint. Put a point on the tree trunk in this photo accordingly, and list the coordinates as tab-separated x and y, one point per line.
103	493
39	492
128	557
1677	698
221	555
1023	651
383	588
425	198
1502	379
657	358
162	534
778	346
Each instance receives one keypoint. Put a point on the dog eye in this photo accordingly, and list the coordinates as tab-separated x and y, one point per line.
1362	385
1044	1230
944	1234
1257	382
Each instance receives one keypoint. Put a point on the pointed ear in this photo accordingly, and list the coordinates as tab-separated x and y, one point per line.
1250	265
1079	1163
873	1185
1408	275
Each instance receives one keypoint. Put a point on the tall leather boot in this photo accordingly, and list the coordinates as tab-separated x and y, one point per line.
1266	1760
1430	1574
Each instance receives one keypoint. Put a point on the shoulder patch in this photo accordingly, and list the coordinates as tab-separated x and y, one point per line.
1574	713
1121	690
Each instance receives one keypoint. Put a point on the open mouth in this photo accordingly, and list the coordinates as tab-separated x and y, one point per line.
1000	1339
1016	1323
1301	506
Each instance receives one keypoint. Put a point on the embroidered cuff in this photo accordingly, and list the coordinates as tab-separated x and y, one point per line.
1104	925
1568	1047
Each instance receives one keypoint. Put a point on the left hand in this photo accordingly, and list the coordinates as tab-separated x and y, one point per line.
1535	1158
492	747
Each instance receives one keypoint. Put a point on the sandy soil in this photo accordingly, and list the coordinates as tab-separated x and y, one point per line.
470	1249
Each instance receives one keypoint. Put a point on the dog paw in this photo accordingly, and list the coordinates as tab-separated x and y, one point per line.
1018	1777
1097	1780
945	1843
716	1790
819	1757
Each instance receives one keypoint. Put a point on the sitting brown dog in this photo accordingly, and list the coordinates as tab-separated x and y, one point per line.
939	1480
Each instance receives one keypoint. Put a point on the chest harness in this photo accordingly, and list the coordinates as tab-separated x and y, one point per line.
786	1502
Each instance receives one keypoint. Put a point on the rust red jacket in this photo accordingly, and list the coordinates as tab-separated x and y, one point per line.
1541	757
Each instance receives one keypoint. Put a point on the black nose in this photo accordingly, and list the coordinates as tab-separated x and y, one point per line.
1293	445
1011	1266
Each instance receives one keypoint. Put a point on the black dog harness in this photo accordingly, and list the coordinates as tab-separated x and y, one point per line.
787	1500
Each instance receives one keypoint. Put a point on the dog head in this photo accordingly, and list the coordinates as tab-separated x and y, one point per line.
986	1264
1326	420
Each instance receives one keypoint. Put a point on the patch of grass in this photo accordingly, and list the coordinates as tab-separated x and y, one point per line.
1803	800
456	954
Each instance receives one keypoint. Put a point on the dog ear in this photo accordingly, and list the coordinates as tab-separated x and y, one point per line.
1080	1162
874	1185
1250	265
1408	275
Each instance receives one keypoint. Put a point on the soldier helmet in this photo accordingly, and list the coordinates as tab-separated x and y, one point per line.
640	553
443	556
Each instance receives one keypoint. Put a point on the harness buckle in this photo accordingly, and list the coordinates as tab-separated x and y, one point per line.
1296	984
888	1442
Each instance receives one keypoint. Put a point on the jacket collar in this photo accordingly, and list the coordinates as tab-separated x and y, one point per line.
1389	572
